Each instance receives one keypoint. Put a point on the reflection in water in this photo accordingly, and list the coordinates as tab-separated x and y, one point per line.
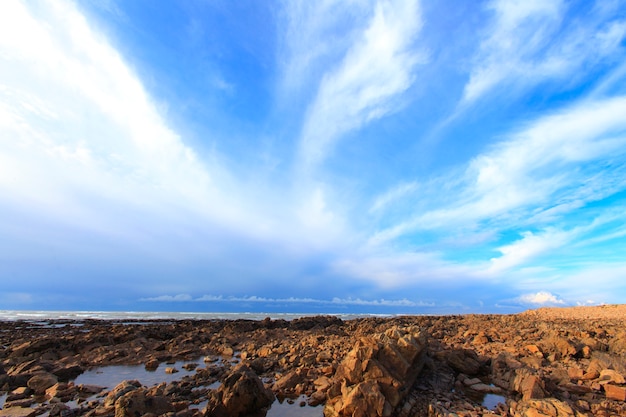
287	409
491	401
110	376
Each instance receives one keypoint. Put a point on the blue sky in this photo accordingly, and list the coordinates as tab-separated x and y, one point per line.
331	156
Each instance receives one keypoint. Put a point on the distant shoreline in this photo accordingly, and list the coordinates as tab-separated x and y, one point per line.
599	312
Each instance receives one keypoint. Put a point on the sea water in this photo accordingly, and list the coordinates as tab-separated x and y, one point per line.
35	316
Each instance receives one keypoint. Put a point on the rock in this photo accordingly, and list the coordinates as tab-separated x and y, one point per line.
362	400
611	375
137	403
549	407
121	389
462	360
614	392
289	381
486	389
190	366
387	364
241	393
152	364
41	382
68	373
18	412
89	389
528	384
170	370
562	347
62	391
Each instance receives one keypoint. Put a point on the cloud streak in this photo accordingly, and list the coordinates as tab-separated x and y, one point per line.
377	68
289	300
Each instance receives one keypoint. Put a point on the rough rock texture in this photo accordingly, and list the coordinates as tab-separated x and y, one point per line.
377	373
542	362
139	402
241	393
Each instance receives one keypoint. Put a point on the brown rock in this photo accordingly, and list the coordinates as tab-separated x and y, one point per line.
364	400
241	393
18	412
121	389
386	363
289	381
152	364
170	370
41	382
614	392
549	407
138	403
528	384
611	375
61	390
462	360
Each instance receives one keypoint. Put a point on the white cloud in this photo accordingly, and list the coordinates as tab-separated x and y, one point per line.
169	298
529	171
290	300
82	141
530	246
529	41
376	69
394	194
541	298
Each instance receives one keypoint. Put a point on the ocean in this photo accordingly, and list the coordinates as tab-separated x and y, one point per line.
123	316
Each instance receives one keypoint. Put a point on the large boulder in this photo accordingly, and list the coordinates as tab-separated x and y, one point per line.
377	373
241	393
139	402
40	382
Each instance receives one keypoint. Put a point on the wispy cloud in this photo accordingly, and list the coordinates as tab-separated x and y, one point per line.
529	42
289	300
524	174
377	68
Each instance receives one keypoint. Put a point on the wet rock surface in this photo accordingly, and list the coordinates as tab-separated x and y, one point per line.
546	362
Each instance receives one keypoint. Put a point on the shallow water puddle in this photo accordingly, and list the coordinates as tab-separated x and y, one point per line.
491	401
285	409
110	376
3	398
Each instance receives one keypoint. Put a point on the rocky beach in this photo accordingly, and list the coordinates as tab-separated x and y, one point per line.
556	362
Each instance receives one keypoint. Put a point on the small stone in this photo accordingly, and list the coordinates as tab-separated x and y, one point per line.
170	370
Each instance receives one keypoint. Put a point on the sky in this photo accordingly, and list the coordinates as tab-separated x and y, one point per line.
392	157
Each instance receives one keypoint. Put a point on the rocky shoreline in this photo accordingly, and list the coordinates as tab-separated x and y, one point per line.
546	362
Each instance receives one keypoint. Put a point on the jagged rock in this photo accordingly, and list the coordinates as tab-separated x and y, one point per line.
241	393
39	383
549	407
364	399
289	381
138	403
61	390
121	389
375	375
528	384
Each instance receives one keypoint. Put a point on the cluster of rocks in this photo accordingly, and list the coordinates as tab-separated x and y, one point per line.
531	365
